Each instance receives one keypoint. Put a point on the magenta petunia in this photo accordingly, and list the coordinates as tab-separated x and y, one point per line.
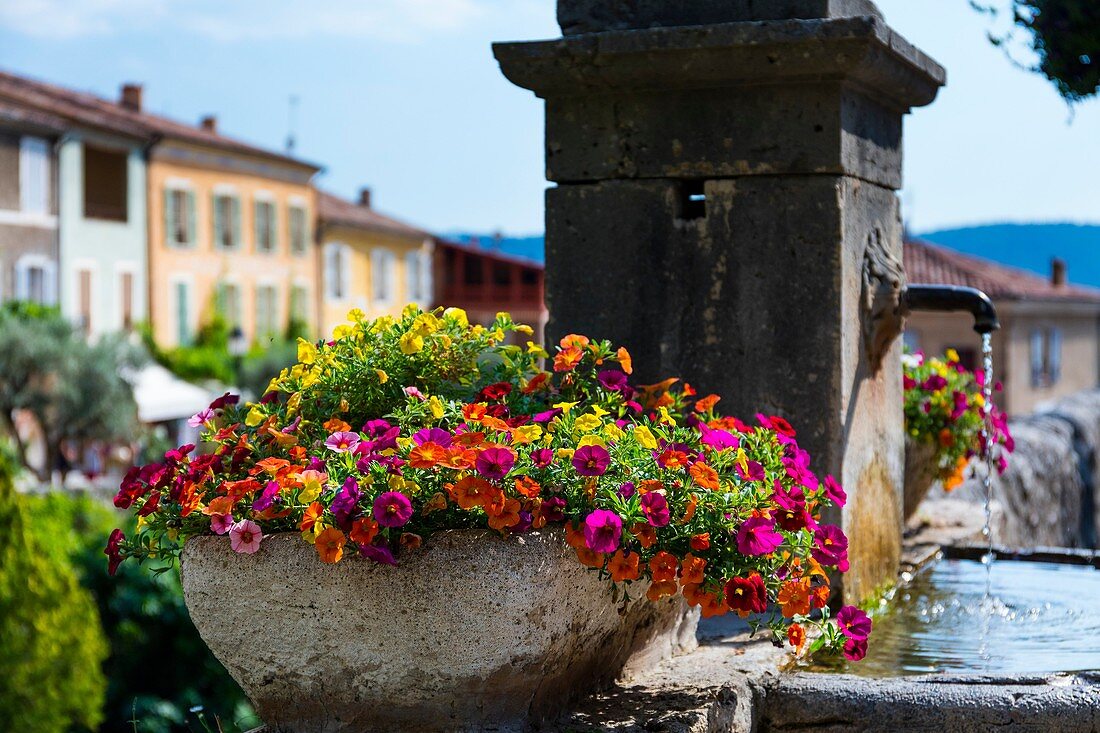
433	435
342	442
392	509
379	553
591	460
267	497
612	380
854	623
754	472
542	457
655	507
200	418
221	523
553	509
495	462
757	536
830	547
719	439
855	649
602	530
835	491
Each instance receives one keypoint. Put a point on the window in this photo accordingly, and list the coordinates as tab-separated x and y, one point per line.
34	175
126	300
183	313
299	305
910	338
1046	356
381	275
179	217
337	271
227	221
298	230
105	184
267	311
502	274
85	280
472	272
228	304
35	279
414	278
264	226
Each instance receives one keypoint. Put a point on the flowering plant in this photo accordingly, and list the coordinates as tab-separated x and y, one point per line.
944	407
399	428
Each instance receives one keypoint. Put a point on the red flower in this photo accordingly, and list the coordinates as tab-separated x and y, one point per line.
494	392
113	551
747	595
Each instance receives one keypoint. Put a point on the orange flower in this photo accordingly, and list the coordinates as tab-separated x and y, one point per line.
573	340
311	516
271	465
410	541
494	423
661	589
536	382
689	391
502	512
591	558
689	510
704	475
470	439
691	571
363	530
820	596
707	403
624	359
219	505
700	542
527	486
474	412
568	359
796	635
794	597
673	459
330	545
649	485
664	400
437	503
953	481
460	458
336	425
644	533
693	593
663	566
713	605
946	439
623	566
471	491
427	455
574	537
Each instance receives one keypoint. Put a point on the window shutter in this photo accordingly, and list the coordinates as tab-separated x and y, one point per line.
330	284
1055	357
22	280
425	278
236	229
273	226
169	217
219	225
191	219
259	224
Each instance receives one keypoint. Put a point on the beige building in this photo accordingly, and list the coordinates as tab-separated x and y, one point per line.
369	261
1049	342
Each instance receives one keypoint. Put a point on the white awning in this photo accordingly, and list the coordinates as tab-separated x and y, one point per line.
162	396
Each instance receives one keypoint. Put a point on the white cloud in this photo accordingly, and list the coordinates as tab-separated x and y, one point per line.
403	21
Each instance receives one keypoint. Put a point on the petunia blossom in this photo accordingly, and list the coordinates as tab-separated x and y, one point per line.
392	509
221	523
342	442
433	435
602	531
854	623
757	536
113	551
200	418
655	507
495	462
855	649
245	536
830	547
591	460
747	594
835	491
379	553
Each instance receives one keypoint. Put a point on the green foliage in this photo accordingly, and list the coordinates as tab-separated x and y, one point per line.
264	362
145	620
51	644
73	389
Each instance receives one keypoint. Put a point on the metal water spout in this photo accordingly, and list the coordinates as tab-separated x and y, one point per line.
951	298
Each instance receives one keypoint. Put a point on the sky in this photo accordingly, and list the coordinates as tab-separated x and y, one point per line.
404	96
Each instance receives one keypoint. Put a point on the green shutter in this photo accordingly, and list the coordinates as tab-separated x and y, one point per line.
257	214
236	230
192	228
219	225
169	217
273	226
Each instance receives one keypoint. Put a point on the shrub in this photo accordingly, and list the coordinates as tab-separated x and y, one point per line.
51	643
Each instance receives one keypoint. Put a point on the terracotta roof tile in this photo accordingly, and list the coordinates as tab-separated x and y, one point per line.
929	263
84	109
337	211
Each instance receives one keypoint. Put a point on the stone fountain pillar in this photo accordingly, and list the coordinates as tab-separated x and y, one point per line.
725	207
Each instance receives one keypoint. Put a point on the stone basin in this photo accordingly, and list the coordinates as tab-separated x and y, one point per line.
470	632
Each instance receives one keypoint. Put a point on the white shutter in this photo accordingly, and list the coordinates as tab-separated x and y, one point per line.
332	271
34	175
1055	356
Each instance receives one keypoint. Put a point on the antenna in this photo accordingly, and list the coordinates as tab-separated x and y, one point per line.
292	117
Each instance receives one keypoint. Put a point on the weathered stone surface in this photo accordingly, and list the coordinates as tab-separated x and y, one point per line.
921	473
591	16
472	632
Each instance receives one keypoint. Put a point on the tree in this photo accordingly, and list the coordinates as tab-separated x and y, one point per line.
72	390
1065	35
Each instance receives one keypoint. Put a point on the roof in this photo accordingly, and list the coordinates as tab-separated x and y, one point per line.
489	253
337	211
88	110
932	264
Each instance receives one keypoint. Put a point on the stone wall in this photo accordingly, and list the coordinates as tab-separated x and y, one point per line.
1050	493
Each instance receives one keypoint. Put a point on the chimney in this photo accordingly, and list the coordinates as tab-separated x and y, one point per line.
1057	272
209	123
364	198
131	97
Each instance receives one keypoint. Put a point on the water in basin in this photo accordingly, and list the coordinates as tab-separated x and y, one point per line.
1036	618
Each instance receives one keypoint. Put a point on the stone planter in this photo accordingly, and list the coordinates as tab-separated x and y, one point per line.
921	472
470	632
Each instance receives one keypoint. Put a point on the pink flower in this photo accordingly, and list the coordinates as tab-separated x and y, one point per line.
719	439
591	460
433	435
855	649
392	509
414	392
835	491
342	442
757	536
495	462
830	547
602	531
379	553
755	471
221	523
245	536
200	418
854	623
655	508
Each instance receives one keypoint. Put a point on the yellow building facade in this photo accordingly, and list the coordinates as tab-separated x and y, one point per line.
369	261
231	232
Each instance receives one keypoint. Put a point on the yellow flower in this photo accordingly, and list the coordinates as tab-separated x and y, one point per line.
355	315
382	324
565	407
411	342
524	329
526	434
254	417
599	411
436	407
979	400
645	438
311	486
742	460
952	356
293	403
586	423
457	315
537	350
410	310
425	324
665	417
341	331
612	431
591	440
566	453
397	483
307	352
382	376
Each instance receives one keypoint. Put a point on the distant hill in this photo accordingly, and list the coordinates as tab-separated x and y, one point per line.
1027	246
1030	246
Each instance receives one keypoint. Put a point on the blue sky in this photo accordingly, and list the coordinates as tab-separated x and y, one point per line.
404	96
